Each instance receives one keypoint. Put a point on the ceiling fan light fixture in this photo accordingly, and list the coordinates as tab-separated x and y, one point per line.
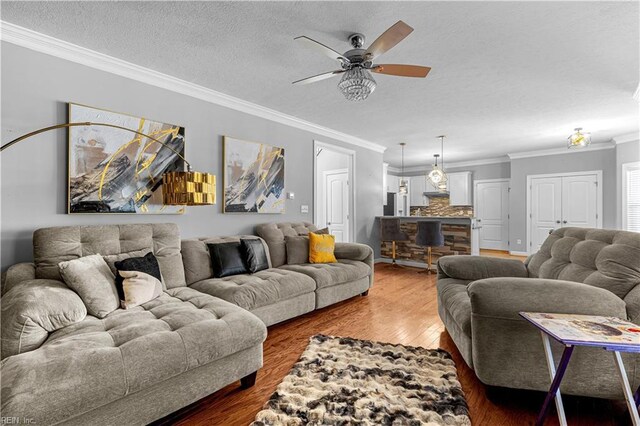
579	139
357	84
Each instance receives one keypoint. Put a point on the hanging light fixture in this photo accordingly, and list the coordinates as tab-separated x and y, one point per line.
403	187
579	139
437	175
357	84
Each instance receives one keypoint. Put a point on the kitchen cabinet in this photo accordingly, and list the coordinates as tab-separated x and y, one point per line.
460	189
417	188
392	183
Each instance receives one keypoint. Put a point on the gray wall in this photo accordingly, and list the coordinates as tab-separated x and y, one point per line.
486	171
625	153
604	160
35	90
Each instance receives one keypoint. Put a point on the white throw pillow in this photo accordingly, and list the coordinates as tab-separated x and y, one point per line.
139	288
94	282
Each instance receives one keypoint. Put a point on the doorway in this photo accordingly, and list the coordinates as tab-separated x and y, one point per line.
491	208
562	200
334	190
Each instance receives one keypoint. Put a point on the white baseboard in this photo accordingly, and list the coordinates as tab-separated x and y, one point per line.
412	263
519	253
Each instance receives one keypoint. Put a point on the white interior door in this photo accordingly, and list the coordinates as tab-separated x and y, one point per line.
337	203
546	209
579	201
492	212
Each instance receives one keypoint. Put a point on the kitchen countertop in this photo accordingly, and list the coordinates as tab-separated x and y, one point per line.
426	217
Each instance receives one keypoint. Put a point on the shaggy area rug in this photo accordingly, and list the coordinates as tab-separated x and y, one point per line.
344	381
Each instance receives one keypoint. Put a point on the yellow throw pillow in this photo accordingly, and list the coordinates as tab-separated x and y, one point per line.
321	248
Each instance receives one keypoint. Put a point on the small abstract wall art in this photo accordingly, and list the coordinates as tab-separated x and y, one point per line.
253	177
116	171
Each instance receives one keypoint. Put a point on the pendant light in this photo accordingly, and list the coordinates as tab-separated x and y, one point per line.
437	176
403	187
579	139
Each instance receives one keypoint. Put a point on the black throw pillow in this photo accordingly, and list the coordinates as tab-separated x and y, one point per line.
227	259
255	255
147	264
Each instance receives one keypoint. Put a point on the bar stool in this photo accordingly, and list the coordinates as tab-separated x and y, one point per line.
390	231
429	235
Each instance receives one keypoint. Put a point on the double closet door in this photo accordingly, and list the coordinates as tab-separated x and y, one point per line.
560	201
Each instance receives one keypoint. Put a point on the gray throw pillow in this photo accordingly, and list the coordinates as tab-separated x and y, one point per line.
297	250
94	282
34	308
139	288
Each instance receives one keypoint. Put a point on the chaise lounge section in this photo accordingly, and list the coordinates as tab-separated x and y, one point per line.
133	366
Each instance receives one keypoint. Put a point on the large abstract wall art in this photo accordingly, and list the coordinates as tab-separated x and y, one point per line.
253	177
116	171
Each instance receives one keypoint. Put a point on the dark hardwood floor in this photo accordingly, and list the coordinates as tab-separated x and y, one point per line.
400	308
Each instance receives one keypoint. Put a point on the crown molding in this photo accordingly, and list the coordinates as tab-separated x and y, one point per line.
629	137
457	165
43	43
561	151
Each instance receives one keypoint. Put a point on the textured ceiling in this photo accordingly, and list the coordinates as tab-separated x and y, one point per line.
506	76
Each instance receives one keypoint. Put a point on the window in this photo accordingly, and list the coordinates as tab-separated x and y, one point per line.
631	196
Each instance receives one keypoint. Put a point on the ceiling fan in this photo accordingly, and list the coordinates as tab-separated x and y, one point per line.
357	83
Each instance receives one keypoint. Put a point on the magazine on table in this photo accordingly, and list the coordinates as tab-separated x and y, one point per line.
586	329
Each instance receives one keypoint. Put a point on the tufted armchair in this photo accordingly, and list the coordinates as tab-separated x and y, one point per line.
577	270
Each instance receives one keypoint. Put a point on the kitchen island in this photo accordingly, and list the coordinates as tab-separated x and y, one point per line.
460	237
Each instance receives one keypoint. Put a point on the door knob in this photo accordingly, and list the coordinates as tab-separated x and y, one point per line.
557	221
479	220
564	221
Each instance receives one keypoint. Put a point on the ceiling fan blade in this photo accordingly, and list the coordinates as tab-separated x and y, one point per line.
401	70
318	77
319	47
394	35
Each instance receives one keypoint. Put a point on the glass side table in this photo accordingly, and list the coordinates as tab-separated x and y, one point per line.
609	333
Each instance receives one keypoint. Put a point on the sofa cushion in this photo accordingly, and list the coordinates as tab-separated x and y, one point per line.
227	259
195	255
321	248
138	288
91	278
330	274
602	258
32	309
297	249
256	290
94	362
273	234
54	245
452	294
113	258
147	263
255	255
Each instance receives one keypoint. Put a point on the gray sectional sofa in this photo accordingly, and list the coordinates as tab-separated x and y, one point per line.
62	366
577	271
